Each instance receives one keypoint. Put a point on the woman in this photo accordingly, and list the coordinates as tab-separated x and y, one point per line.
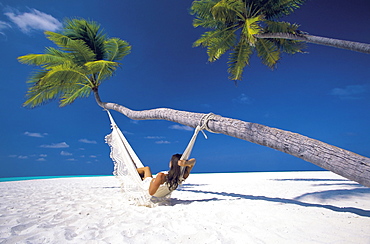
172	178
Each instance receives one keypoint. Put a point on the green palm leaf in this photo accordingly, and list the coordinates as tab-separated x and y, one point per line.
38	95
102	69
66	73
90	32
273	9
50	58
116	49
251	28
81	52
73	93
238	59
268	52
228	10
287	46
217	42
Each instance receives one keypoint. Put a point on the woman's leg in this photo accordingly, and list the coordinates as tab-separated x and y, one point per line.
156	182
144	172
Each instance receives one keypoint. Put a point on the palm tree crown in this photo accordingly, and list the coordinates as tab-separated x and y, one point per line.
83	59
233	25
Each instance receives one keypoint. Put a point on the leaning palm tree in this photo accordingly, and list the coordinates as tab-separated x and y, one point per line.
245	26
86	57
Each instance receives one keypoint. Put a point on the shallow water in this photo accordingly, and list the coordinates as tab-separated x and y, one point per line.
46	177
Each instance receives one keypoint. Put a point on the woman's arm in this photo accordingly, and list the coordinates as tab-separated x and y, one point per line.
189	164
144	172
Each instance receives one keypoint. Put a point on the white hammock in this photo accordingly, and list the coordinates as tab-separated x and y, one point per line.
126	162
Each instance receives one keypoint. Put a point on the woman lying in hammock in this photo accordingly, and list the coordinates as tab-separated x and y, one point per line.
157	186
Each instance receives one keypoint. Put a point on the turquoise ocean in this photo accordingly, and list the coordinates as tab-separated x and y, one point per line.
46	177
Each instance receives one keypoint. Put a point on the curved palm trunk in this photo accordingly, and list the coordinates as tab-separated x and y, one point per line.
354	46
345	163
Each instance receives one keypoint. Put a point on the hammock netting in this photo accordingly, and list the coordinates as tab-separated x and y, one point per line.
126	163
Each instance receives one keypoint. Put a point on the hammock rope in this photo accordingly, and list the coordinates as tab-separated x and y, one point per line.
126	163
203	125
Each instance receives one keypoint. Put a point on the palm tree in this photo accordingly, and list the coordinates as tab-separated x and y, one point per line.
86	57
245	26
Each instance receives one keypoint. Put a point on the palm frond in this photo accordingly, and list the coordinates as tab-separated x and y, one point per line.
66	73
50	58
39	94
43	60
90	32
203	15
280	26
73	93
101	69
238	59
268	52
229	11
36	76
217	42
287	46
251	27
82	53
202	8
273	9
116	49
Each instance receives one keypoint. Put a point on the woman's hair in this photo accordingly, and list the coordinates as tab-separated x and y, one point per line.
174	172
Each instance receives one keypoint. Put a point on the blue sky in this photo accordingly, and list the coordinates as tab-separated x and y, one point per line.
323	94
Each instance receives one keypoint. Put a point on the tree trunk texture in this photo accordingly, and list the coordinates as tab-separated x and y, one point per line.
353	46
342	162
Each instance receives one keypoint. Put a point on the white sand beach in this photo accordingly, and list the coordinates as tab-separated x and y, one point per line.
283	207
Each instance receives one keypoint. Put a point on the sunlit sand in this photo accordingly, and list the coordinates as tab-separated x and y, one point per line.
282	207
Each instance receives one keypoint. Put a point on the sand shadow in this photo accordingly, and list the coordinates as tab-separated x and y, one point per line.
312	179
337	194
337	182
353	210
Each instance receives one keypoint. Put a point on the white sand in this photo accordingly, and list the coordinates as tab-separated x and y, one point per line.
292	207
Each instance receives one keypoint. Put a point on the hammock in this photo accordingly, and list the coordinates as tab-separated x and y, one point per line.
126	162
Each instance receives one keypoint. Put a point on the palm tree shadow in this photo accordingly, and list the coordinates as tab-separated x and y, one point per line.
353	210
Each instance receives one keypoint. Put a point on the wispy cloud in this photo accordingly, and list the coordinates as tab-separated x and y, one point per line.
87	141
181	127
243	99
135	122
163	142
33	20
125	132
18	156
3	26
349	92
35	134
56	145
42	158
154	137
64	153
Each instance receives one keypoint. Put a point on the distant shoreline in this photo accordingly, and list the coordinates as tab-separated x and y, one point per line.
46	177
8	179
